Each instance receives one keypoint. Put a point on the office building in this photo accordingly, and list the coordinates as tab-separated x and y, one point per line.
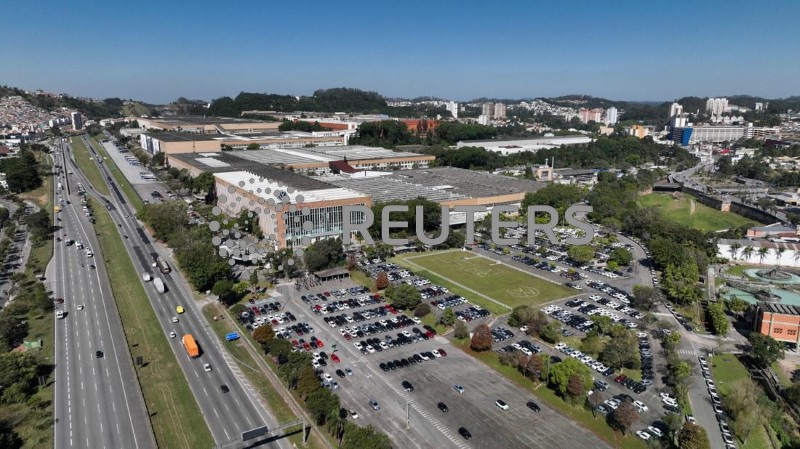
675	109
77	121
779	321
716	106
296	210
689	135
452	107
611	116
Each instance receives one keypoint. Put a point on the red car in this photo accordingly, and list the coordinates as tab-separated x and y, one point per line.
295	343
306	346
326	293
335	358
441	351
347	337
320	344
620	378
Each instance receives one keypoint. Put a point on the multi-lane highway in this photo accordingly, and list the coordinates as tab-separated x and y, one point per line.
227	414
98	403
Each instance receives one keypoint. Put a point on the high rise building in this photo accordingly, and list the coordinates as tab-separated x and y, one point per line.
759	106
716	106
488	109
611	116
483	119
77	121
452	106
590	115
499	110
675	109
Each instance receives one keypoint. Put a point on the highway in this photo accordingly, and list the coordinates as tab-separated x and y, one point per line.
227	414
98	403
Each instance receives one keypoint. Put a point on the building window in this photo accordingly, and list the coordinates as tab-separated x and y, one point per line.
777	330
792	332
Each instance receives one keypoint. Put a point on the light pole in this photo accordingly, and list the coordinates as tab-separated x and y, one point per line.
408	415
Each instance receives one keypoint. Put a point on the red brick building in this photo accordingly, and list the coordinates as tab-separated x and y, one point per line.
779	321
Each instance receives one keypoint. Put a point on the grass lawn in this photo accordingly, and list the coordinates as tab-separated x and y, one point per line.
276	403
596	425
88	166
432	321
360	278
170	402
122	182
689	211
738	270
486	282
729	374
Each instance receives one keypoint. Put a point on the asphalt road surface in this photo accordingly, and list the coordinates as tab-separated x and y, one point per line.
227	414
98	403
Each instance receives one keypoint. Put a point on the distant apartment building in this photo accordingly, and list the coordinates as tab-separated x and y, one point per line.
499	111
638	131
483	119
716	106
77	121
452	107
487	109
675	109
611	116
590	115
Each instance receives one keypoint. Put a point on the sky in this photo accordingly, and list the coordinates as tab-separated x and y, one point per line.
157	51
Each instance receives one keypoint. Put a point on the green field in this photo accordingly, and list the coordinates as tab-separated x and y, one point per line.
122	182
689	211
170	402
492	285
729	374
88	166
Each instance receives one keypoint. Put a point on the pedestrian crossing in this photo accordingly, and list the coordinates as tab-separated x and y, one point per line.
686	352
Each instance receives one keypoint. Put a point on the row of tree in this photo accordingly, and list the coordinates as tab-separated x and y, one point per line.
22	172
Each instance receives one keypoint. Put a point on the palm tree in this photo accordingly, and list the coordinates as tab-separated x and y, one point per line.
779	252
735	249
762	253
796	256
747	252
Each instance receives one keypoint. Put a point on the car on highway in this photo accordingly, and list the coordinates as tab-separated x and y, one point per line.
172	334
174	319
179	309
207	367
374	404
534	406
501	404
224	388
407	386
464	433
98	354
443	407
80	306
458	388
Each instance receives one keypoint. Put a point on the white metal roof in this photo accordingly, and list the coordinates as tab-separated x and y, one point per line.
267	189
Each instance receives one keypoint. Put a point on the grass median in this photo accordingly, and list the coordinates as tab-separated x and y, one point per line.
122	182
85	161
174	414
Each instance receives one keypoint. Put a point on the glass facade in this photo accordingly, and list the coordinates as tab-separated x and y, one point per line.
325	222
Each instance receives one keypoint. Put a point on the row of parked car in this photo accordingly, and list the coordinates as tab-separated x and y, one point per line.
716	402
576	321
372	345
500	333
585	359
525	347
412	360
357	317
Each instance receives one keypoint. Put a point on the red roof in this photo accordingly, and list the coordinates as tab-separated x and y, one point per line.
342	166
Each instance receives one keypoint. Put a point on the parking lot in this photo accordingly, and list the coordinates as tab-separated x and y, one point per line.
360	378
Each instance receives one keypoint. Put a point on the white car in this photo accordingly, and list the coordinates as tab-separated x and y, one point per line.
207	367
640	406
174	319
172	334
80	306
327	377
353	414
655	431
501	404
643	435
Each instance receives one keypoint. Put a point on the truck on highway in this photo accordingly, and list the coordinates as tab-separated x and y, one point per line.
190	344
160	287
163	265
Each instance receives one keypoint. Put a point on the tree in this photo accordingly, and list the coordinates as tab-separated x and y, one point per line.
368	437
591	344
481	338
625	416
263	334
551	332
680	283
422	309
595	399
673	422
520	316
765	349
254	277
322	254
461	330
381	280
621	256
561	373
223	288
580	253
307	381
621	351
672	340
448	317
575	386
719	322
602	323
693	436
737	305
536	323
645	297
322	405
403	296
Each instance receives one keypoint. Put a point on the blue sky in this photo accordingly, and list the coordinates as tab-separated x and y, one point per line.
626	50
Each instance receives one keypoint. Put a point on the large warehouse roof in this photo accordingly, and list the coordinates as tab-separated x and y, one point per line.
275	189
